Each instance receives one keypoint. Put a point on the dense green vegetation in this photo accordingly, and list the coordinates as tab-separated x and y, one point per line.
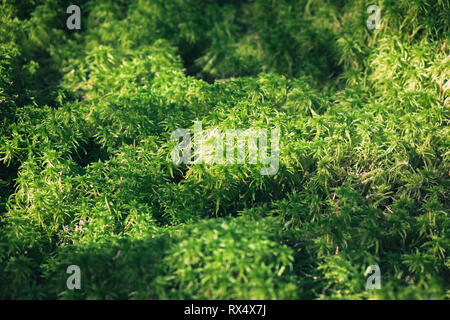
86	176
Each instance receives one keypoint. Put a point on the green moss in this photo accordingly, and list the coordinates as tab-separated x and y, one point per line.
85	124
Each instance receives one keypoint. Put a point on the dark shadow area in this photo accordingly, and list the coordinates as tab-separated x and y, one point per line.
132	264
189	54
8	176
89	152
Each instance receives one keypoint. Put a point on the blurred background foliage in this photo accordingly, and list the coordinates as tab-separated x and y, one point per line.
86	176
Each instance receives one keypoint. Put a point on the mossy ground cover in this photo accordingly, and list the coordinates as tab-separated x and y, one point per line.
87	179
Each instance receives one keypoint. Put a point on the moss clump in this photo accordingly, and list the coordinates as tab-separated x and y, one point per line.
85	138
